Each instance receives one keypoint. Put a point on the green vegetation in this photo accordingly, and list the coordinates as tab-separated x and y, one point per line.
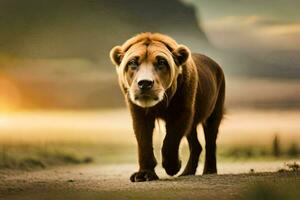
39	156
275	151
34	156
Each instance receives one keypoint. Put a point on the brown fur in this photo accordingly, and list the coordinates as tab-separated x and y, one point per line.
194	91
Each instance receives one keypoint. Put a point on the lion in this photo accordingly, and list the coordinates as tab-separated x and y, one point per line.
161	79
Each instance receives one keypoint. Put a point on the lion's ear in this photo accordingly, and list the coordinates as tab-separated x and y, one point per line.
181	54
116	55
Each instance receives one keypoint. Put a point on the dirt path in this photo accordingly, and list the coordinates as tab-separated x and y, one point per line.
111	182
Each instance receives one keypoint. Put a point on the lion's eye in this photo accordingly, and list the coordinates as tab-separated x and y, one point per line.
161	64
133	64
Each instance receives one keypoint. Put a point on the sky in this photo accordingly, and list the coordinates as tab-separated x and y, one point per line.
251	25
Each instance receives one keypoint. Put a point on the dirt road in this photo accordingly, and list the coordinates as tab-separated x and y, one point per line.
111	182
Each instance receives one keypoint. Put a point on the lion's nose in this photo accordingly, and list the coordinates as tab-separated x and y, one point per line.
145	84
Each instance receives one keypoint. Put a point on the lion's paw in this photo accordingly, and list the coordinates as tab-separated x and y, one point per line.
144	175
172	166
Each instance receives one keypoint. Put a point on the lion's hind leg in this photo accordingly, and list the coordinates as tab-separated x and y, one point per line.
211	129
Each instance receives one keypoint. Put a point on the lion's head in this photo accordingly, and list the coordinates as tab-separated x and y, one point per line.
148	65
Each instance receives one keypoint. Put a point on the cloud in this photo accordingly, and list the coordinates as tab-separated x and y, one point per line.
254	32
283	29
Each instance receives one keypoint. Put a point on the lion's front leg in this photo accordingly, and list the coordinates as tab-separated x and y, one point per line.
143	128
176	127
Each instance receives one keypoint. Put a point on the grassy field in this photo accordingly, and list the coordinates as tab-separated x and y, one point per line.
31	140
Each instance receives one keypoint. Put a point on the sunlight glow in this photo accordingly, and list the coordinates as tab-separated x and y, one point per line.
10	98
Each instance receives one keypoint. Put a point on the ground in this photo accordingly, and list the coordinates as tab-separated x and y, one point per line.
94	181
52	144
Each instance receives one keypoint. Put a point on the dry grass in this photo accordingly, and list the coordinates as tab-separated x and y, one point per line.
42	139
